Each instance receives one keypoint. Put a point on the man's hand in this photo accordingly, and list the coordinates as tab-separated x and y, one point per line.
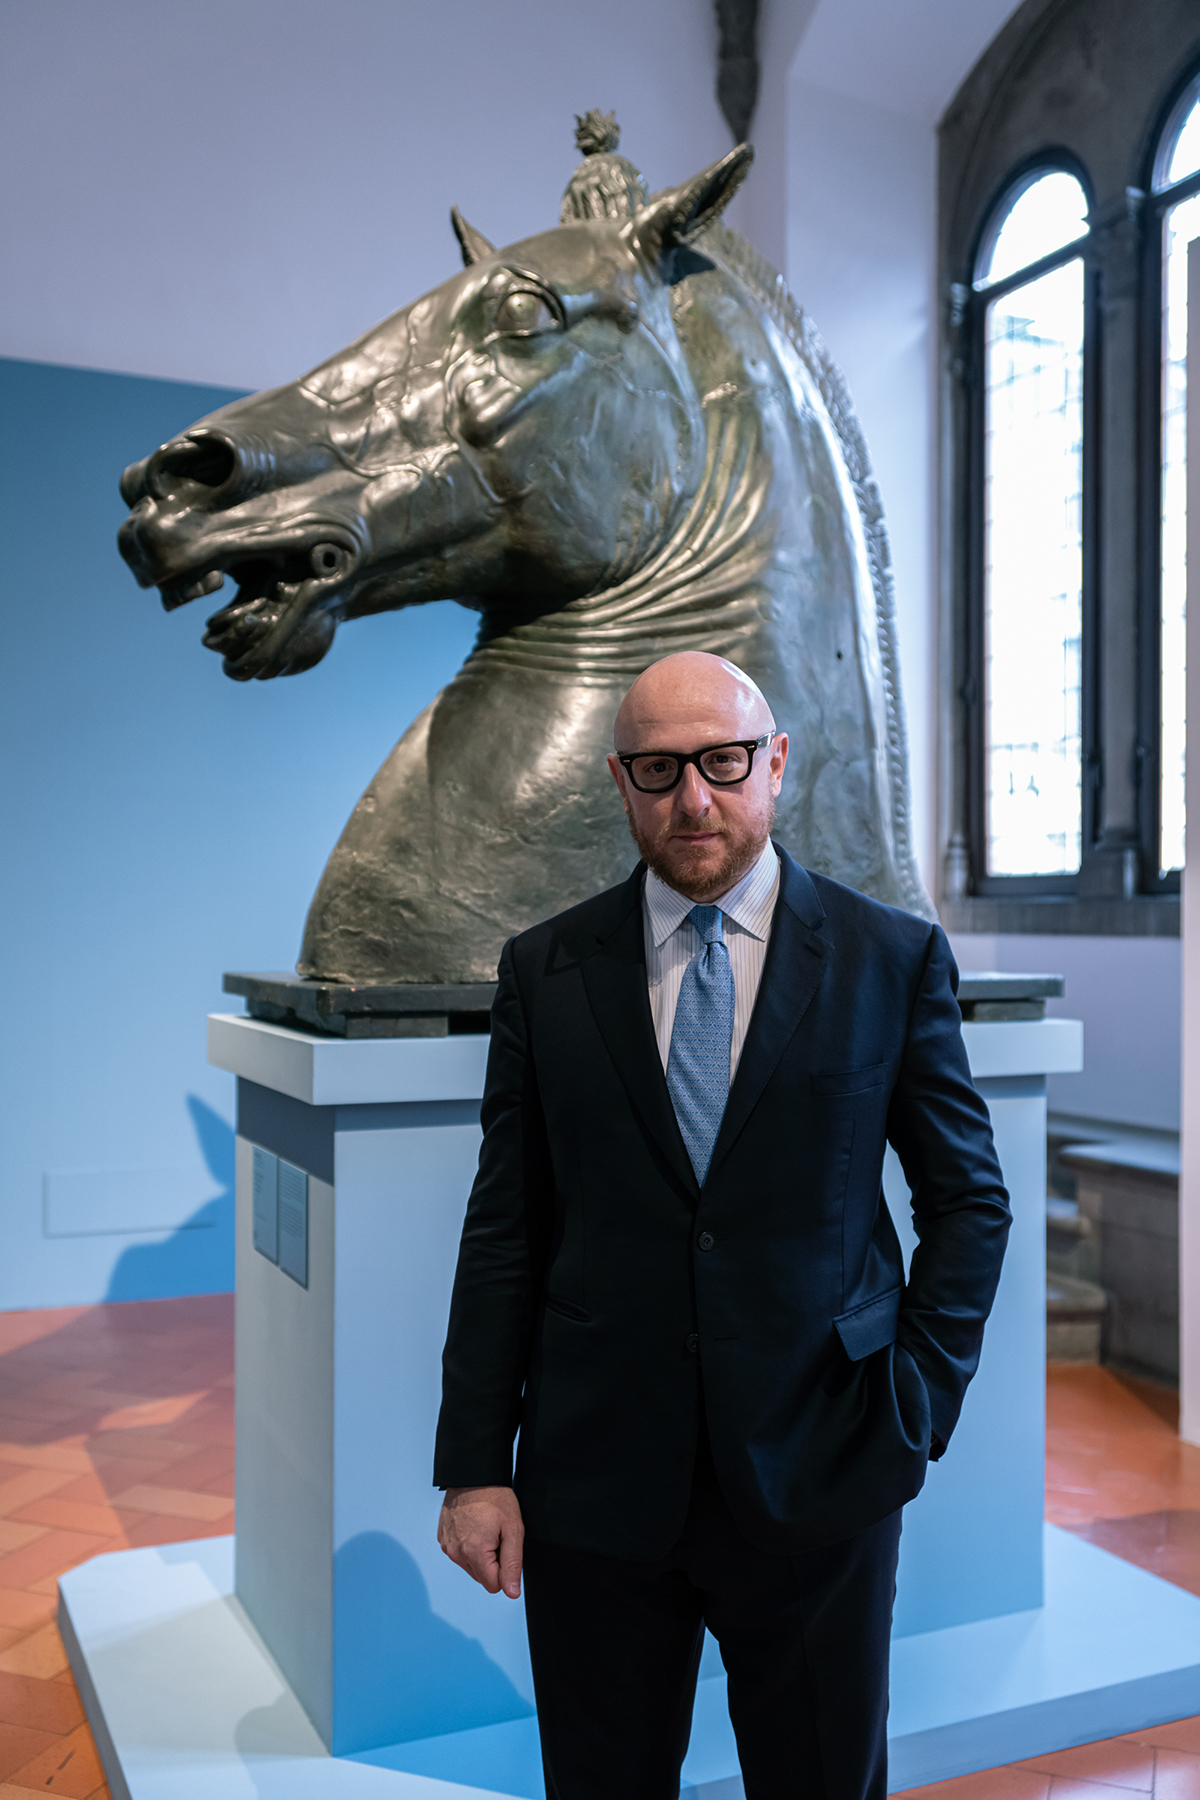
481	1530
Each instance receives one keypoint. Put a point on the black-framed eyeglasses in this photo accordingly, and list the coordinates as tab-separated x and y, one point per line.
724	765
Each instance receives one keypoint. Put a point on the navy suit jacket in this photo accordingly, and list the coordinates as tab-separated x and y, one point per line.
596	1280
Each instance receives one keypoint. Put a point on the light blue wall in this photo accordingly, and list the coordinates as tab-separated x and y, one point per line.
160	824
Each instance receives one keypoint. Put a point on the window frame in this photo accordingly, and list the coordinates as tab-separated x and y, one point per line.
1158	203
1018	181
1033	101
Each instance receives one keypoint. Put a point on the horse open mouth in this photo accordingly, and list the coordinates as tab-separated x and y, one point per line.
281	620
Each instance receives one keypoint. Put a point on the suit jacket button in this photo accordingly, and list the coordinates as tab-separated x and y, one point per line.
706	1240
692	1343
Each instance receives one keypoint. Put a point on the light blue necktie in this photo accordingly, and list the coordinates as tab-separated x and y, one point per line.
698	1063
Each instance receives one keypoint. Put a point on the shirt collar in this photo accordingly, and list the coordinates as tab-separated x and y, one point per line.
750	904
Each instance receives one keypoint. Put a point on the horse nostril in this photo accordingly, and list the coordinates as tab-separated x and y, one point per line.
327	559
133	482
201	462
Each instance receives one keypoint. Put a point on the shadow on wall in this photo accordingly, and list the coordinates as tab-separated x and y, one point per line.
149	1271
401	1672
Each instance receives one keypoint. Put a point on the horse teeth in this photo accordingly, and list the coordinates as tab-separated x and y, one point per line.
178	593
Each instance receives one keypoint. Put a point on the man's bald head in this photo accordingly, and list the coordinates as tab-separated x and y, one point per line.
701	834
692	696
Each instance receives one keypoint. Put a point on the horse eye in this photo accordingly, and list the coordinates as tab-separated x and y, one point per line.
524	311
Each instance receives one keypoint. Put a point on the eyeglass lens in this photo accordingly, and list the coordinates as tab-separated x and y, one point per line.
725	763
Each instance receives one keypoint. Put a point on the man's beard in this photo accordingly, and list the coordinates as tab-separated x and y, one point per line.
690	874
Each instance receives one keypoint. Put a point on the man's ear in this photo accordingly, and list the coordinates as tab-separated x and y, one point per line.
662	230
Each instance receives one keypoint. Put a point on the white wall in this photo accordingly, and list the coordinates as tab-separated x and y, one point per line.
852	93
229	190
845	199
1127	992
226	191
203	190
860	247
1189	1160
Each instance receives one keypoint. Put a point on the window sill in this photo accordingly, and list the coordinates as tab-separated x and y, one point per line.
1147	915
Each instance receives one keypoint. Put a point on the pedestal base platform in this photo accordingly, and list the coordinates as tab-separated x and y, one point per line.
185	1701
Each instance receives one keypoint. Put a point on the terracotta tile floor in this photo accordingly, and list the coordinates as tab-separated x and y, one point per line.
116	1429
1117	1474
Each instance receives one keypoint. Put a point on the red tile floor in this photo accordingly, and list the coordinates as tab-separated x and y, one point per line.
116	1429
1117	1474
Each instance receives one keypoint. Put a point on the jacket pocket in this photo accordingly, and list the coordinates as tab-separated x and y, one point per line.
869	1327
567	1309
848	1081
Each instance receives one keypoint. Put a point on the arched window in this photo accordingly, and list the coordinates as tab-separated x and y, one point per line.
1176	181
1031	269
1069	181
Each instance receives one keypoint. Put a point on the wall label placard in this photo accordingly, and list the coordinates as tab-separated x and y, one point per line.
280	1214
266	1204
293	1222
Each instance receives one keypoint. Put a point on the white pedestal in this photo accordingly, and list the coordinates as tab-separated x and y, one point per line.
348	1620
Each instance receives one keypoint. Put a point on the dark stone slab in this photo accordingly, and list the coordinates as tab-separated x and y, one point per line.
989	997
414	1009
986	985
350	1010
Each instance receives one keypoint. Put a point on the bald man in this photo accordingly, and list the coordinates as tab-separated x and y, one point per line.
678	1277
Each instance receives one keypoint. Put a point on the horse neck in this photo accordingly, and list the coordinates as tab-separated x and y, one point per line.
702	590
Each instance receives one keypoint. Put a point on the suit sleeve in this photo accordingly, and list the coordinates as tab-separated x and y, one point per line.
940	1129
501	1262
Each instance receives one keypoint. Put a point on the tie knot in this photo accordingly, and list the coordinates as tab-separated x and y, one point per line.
707	923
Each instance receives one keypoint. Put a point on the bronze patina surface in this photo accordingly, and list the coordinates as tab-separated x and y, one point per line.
613	440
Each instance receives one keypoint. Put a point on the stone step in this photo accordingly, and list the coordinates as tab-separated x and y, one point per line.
1074	1316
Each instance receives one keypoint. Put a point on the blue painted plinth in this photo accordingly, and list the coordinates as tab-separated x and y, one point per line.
186	1703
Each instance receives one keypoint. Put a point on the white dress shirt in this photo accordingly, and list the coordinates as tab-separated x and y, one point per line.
672	941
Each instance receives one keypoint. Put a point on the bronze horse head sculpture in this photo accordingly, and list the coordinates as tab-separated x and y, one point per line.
613	440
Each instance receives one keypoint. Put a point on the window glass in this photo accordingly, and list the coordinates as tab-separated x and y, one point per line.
1033	375
1046	213
1179	155
1180	224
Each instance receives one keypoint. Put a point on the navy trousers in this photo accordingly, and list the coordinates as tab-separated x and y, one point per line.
616	1644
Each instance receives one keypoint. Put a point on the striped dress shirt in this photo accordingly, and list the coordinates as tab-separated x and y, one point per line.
672	941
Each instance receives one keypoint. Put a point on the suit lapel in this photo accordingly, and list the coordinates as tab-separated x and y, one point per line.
614	977
796	960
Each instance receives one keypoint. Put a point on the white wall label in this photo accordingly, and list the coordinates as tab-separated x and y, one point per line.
293	1222
266	1204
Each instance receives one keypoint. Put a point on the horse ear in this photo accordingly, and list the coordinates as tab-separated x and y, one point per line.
672	220
473	244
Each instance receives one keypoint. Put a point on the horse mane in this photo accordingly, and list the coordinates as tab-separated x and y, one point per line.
741	260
